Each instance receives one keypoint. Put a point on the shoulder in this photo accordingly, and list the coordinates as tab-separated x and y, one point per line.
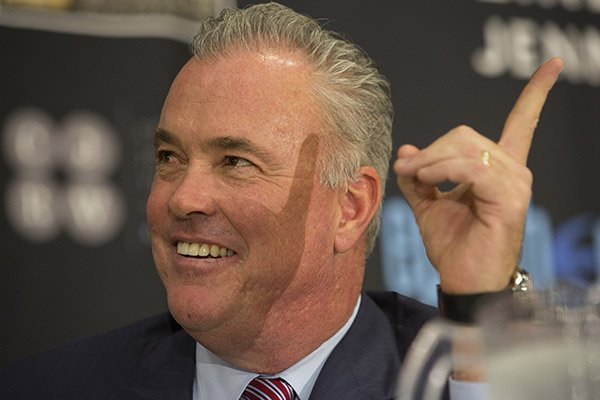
400	308
387	323
405	315
115	344
89	364
365	363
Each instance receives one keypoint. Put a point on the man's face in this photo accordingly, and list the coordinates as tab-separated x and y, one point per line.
237	148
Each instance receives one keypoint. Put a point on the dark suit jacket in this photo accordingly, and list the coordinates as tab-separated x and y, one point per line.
155	359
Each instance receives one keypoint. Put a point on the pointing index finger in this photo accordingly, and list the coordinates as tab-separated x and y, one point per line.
521	122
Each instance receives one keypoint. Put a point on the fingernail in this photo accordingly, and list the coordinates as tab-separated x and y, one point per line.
404	160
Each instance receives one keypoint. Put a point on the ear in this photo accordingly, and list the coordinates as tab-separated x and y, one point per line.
358	205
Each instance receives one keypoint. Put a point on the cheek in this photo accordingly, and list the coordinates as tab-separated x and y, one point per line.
157	219
283	233
156	208
265	217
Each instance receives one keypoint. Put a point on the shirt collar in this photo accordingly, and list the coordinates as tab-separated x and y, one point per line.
217	379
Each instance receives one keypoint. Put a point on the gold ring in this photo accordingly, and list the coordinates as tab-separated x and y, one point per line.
486	158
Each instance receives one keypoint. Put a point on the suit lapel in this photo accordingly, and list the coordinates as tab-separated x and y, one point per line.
166	370
365	364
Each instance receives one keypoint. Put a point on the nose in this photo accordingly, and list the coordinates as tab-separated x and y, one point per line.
193	194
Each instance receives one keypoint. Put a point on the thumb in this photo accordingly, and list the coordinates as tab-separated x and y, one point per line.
413	190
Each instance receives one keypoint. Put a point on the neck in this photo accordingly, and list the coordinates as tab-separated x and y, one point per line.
292	329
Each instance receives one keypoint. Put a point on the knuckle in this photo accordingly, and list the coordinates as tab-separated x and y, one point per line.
534	123
526	118
470	150
527	177
521	192
462	131
518	203
523	177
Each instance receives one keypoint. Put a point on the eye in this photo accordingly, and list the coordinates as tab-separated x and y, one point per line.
236	162
164	157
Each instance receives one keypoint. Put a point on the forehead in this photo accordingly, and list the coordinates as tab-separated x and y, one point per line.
258	93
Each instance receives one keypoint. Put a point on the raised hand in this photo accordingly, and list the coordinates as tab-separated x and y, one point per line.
473	233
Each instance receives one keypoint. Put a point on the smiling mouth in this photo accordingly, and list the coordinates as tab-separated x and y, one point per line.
203	250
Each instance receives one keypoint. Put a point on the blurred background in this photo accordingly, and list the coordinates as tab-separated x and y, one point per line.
81	87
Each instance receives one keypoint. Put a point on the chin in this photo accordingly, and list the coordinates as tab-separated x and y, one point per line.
197	309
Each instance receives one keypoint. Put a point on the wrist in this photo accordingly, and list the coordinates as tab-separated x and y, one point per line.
463	308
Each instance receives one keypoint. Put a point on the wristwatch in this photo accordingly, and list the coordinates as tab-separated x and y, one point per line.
521	281
464	308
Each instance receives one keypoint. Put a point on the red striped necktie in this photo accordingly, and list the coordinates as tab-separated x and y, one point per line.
268	389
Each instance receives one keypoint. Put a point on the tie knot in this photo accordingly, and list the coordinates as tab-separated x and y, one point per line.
268	389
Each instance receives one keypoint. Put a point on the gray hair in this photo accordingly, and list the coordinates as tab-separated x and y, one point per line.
355	96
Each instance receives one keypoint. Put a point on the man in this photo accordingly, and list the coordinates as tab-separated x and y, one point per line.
271	157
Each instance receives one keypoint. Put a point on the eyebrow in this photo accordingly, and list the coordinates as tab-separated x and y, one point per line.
223	143
240	144
163	136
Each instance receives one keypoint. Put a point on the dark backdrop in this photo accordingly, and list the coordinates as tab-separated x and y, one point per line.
77	113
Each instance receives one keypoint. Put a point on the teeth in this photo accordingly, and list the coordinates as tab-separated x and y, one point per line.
203	250
183	247
193	249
